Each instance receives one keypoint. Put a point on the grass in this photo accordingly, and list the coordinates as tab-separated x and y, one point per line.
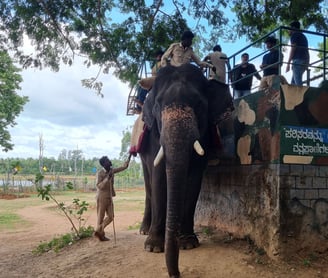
10	219
9	212
136	226
62	241
129	200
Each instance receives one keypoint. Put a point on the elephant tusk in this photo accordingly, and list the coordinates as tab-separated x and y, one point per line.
159	156
198	148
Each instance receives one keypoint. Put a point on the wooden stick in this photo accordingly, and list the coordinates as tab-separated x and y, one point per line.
114	231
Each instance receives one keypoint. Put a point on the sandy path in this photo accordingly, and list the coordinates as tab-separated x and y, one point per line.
215	257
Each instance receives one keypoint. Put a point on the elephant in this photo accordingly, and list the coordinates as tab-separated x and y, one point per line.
179	113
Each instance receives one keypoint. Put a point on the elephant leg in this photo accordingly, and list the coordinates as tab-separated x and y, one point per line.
146	222
155	240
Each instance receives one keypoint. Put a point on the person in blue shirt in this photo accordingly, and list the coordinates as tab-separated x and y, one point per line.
299	54
271	63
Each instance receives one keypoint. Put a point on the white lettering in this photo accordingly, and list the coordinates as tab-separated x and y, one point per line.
304	134
302	149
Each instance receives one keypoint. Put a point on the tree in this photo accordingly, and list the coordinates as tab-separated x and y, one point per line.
125	143
11	104
257	17
123	34
41	149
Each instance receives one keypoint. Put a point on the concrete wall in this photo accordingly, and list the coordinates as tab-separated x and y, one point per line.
266	189
304	208
242	201
282	208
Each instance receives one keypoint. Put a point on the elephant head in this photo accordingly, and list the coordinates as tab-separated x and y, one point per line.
178	112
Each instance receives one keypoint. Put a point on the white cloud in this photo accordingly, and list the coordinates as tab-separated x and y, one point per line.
68	115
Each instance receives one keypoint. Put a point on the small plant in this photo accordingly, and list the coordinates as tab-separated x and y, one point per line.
60	242
207	231
307	262
75	211
55	244
135	226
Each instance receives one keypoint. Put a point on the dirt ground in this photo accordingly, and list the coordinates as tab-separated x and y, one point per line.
216	257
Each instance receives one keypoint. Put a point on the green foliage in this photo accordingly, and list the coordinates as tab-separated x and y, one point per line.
82	178
55	244
208	231
125	143
61	166
310	259
307	262
75	211
136	226
257	17
123	35
8	219
58	243
11	104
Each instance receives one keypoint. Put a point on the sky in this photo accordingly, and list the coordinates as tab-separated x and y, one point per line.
69	116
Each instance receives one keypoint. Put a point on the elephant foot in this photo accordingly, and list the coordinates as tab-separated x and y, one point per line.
187	242
155	245
144	229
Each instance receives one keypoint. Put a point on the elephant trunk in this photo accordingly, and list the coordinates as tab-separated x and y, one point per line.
179	132
173	216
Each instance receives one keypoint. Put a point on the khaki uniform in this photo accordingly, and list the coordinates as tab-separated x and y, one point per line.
219	61
180	55
105	192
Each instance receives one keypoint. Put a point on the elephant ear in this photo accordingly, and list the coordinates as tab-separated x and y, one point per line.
151	106
147	110
220	101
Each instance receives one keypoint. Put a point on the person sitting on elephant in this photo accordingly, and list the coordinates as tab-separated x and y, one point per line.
182	53
145	84
105	192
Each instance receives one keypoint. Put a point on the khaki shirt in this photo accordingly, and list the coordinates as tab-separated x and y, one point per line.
219	61
105	183
180	55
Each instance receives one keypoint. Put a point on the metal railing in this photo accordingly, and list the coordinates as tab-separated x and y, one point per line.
131	104
317	70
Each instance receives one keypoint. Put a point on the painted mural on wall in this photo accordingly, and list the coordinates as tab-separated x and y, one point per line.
256	126
283	124
304	125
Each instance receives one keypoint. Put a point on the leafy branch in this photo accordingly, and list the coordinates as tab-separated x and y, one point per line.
79	206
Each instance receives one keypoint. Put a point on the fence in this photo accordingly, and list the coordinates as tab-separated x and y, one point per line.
317	69
25	183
